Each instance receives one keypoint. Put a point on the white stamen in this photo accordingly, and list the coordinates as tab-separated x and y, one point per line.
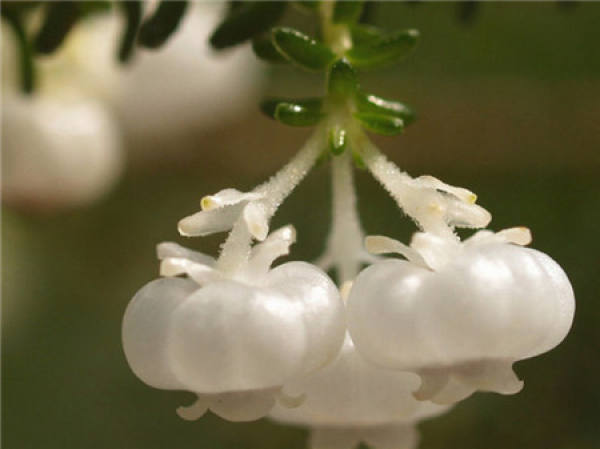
519	235
236	249
436	207
264	254
209	221
194	411
227	197
379	244
165	250
202	274
463	194
257	221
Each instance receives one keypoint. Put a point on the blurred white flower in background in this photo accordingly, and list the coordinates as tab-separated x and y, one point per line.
63	146
185	85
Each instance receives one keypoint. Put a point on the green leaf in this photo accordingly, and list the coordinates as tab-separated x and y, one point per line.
372	104
338	140
132	10
58	21
246	21
347	11
296	115
264	49
384	50
362	34
388	125
342	80
155	31
26	65
302	112
301	50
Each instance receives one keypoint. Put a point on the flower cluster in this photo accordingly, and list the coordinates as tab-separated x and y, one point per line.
397	342
391	344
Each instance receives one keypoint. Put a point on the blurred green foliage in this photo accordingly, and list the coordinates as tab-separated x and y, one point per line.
67	278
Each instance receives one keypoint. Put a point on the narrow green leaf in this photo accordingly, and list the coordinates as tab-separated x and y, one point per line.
301	50
246	21
338	139
302	112
372	104
269	105
388	125
347	11
132	10
58	21
342	80
264	49
296	115
384	50
155	31
362	34
26	65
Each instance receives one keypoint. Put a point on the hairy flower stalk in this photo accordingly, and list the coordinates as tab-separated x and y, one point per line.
344	250
436	207
393	343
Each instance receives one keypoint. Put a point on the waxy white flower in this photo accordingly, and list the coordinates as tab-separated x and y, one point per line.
185	85
57	151
460	314
233	340
61	145
352	400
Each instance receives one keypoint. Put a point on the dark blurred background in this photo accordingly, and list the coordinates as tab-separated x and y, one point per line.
508	106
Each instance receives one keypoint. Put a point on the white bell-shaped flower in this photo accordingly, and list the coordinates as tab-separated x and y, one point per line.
62	145
460	314
57	152
352	400
234	342
185	85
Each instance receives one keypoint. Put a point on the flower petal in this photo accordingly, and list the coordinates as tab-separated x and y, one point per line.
277	244
194	411
255	217
462	194
243	405
166	250
209	222
227	197
200	273
379	244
